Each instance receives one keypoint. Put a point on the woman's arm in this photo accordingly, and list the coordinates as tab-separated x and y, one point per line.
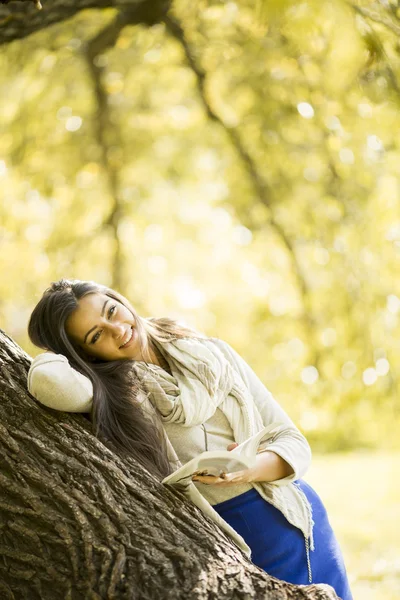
54	383
289	445
271	467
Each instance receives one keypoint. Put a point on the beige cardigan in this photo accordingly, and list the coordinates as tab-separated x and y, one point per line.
53	382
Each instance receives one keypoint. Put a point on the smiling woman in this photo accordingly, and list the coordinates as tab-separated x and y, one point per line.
164	394
99	333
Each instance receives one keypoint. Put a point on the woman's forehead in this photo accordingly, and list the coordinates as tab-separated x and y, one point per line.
91	304
92	301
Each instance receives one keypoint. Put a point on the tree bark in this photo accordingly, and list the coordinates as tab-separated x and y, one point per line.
79	521
20	18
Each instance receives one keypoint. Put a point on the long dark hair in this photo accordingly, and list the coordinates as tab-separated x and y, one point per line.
116	413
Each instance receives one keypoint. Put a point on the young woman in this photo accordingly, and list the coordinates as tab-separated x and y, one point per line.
164	393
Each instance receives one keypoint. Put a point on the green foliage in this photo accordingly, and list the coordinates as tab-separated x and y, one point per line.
235	167
362	496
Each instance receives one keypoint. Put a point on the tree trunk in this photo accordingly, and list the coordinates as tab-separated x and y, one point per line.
78	521
20	18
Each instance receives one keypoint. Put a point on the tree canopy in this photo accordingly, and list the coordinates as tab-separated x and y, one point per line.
234	165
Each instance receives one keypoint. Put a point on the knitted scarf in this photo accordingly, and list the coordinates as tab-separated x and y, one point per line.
203	380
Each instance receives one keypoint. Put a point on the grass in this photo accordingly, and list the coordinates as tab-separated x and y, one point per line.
361	492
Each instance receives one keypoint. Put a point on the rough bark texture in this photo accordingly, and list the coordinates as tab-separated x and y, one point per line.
77	521
20	18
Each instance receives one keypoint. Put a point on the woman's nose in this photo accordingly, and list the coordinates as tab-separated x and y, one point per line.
118	330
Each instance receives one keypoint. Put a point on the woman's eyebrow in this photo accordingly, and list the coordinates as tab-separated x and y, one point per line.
93	328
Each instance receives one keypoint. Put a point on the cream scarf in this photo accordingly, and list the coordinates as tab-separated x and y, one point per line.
203	380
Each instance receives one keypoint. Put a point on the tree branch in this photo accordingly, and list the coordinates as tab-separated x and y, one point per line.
37	4
382	20
106	134
261	187
20	19
378	18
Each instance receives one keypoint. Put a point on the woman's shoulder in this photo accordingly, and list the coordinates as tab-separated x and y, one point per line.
202	339
223	346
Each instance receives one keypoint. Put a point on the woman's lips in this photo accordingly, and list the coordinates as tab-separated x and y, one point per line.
130	341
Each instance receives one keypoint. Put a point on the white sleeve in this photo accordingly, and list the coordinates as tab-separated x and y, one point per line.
54	383
290	443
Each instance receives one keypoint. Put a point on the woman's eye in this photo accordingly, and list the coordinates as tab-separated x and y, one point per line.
95	337
110	313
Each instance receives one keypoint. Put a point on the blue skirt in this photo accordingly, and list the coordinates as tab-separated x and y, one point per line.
279	548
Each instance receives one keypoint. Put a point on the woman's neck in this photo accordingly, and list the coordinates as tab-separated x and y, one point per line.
158	358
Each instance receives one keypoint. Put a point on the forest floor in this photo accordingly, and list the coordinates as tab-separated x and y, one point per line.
361	491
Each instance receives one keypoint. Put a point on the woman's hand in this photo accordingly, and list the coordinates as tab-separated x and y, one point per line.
227	479
269	467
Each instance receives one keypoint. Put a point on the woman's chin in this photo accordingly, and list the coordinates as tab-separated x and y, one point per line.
130	353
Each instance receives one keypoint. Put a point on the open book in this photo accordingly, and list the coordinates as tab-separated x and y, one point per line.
216	462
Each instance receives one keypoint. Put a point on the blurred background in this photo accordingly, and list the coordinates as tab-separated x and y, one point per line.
234	165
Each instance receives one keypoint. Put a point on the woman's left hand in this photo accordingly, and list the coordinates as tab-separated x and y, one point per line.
227	479
269	467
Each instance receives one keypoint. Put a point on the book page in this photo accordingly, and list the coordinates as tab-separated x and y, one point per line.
216	462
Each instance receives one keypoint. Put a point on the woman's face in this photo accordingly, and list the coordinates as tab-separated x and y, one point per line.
104	328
